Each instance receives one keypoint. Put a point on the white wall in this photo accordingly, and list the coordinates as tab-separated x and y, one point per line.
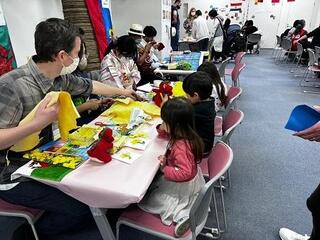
22	16
126	12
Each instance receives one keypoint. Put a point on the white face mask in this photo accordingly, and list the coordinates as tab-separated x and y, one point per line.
83	63
70	69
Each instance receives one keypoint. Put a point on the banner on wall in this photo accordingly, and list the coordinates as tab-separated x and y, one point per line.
7	59
100	17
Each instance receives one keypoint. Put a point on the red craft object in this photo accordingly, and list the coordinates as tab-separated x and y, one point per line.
101	151
164	89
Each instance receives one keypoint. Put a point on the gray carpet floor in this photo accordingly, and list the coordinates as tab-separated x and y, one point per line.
273	172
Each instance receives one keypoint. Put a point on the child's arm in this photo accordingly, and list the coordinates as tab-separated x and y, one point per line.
183	164
135	74
92	104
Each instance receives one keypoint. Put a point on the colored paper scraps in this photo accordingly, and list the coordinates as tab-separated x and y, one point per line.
126	156
138	141
54	159
121	110
66	120
85	136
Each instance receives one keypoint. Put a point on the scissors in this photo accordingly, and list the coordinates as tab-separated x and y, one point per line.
101	124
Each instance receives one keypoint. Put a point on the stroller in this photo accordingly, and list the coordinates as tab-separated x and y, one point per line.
235	41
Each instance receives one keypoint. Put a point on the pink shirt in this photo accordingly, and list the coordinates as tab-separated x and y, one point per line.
180	164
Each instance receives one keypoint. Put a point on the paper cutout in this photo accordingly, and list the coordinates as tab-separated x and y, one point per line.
125	155
302	117
66	118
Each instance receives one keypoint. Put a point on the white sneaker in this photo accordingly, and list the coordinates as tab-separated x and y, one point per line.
287	234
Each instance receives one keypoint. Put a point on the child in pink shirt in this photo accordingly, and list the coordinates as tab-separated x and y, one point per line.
173	193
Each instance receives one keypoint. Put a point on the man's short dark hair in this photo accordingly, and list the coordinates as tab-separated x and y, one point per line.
150	31
198	82
213	13
52	36
198	13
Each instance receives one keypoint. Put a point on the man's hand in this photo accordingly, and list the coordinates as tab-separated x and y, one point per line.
45	115
132	94
311	134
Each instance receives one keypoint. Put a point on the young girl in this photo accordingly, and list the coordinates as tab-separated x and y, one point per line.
118	68
174	192
220	89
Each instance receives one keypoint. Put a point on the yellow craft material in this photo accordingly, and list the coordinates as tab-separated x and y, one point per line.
178	90
120	111
66	120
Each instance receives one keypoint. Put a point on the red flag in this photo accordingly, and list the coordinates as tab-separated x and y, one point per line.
275	1
236	4
291	0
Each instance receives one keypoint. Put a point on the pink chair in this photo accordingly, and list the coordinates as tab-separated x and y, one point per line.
234	94
31	215
230	122
235	76
220	157
237	61
151	223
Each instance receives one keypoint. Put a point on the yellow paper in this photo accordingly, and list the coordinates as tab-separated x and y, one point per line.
120	111
66	120
178	90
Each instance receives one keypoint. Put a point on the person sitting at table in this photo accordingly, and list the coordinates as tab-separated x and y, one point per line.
198	87
57	44
297	34
220	89
147	60
200	31
118	68
172	194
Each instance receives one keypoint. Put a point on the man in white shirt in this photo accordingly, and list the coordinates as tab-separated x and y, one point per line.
200	31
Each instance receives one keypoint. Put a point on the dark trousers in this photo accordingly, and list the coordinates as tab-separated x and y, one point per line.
175	41
203	44
62	213
313	204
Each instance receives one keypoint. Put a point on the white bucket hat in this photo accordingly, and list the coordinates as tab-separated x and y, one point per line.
136	29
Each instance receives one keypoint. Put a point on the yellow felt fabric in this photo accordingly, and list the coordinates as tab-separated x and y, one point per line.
120	111
66	120
178	90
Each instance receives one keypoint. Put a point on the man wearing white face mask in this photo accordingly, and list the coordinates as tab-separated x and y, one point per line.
57	44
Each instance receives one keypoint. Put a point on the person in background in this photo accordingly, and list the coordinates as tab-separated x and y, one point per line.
198	87
248	29
90	107
175	25
188	23
226	25
315	34
147	60
200	31
220	89
172	194
118	68
57	45
313	202
218	36
297	34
